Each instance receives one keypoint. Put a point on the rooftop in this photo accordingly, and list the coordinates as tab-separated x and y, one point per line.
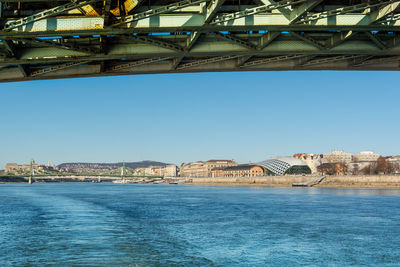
290	160
239	167
220	160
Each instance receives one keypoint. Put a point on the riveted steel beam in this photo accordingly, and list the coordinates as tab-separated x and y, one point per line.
212	9
385	9
87	26
358	61
12	52
23	70
191	40
10	48
153	41
175	62
106	12
136	63
293	17
254	11
285	11
12	24
242	60
205	61
377	61
332	59
267	38
53	68
308	40
376	40
206	48
210	12
154	12
345	10
12	74
270	60
236	40
297	13
304	60
58	43
208	35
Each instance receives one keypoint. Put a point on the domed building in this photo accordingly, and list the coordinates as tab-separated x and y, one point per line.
285	165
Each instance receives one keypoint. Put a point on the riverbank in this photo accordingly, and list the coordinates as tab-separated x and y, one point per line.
350	181
10	179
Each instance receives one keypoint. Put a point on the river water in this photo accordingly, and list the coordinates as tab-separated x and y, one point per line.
83	224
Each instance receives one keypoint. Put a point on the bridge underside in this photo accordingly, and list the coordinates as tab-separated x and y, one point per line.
43	39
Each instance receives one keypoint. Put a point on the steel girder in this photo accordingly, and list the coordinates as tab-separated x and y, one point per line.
12	24
56	40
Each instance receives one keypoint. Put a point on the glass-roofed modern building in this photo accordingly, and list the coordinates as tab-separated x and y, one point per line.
285	165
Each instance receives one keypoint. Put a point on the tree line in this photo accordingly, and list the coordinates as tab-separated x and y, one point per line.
381	166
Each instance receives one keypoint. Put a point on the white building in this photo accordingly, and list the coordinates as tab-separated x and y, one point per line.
154	170
366	156
337	157
170	170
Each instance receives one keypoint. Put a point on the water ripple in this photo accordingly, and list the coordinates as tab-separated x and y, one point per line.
161	225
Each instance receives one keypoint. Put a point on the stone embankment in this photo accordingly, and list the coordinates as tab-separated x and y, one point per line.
361	181
265	181
348	181
92	178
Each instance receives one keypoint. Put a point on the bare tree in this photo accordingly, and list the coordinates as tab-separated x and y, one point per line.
396	167
370	169
342	167
327	169
356	169
383	166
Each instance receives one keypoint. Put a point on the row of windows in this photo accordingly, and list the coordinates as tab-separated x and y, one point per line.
257	171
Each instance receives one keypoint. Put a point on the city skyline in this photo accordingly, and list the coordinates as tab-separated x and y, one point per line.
179	118
50	163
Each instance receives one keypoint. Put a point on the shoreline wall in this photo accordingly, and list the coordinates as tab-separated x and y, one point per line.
278	180
334	181
362	180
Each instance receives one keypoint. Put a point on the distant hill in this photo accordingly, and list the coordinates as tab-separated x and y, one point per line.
94	166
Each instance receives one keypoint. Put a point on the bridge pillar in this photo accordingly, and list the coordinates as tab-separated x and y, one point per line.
31	174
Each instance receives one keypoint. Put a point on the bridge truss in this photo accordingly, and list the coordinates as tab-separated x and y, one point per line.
45	39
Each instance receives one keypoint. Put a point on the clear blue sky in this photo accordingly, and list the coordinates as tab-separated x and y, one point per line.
187	117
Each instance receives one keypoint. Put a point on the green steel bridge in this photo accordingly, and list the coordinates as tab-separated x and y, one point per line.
47	39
